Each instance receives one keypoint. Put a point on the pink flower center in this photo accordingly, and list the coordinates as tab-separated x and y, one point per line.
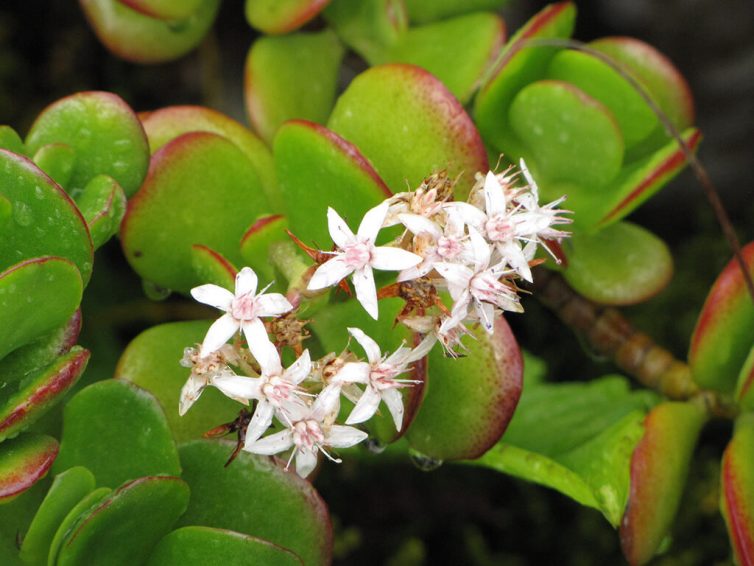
307	434
448	248
382	377
243	307
277	390
485	287
498	228
358	254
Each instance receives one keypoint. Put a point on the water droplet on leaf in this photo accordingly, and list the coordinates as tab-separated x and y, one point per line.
375	446
22	213
423	462
155	292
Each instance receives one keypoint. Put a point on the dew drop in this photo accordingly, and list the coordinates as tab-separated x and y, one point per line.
423	462
375	446
39	193
22	213
155	292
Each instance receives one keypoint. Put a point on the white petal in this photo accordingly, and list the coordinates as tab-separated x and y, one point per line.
422	349
353	372
260	422
272	304
388	258
515	257
470	214
306	461
300	369
374	355
339	231
327	402
366	407
272	444
455	274
366	292
190	392
480	248
330	273
246	282
341	436
486	313
394	402
261	347
372	222
415	272
529	179
494	198
418	224
238	387
213	295
218	334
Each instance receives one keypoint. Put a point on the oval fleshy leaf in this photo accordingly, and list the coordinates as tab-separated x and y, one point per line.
256	242
245	495
57	160
51	285
205	188
10	140
744	389
41	391
151	361
119	432
138	38
125	526
173	10
23	462
104	133
623	264
407	123
469	401
659	467
199	546
423	11
737	493
166	124
211	267
44	219
723	334
67	489
318	169
103	204
281	16
81	509
278	69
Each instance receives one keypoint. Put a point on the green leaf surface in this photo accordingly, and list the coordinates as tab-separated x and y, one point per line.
36	296
723	334
104	133
204	188
139	38
469	401
408	125
623	264
44	219
23	462
171	10
119	432
67	489
281	16
256	497
744	389
199	546
737	493
279	69
318	169
57	160
10	140
125	526
211	267
72	519
15	518
424	11
151	361
588	429
103	204
256	242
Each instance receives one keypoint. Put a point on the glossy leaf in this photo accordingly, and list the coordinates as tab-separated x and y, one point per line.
71	520
171	10
737	493
659	466
103	204
202	185
151	361
138	38
123	527
422	11
10	140
279	69
256	242
408	125
744	389
57	160
104	133
23	462
210	267
15	517
623	264
723	334
256	497
44	219
281	16
198	546
36	296
119	432
469	401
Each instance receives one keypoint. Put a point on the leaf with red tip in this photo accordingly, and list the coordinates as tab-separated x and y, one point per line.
248	494
744	389
279	69
407	123
469	401
281	16
172	10
211	267
23	462
81	509
722	338
41	391
103	204
256	242
737	493
203	186
659	467
139	38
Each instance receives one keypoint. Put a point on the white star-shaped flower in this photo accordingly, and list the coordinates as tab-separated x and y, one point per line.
358	255
204	371
243	310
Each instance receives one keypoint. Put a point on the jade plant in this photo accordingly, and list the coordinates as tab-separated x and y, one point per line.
366	242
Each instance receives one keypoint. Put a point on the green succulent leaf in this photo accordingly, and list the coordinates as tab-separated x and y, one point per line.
737	493
10	140
23	462
281	16
103	205
255	243
57	160
211	267
72	519
119	432
170	10
744	389
425	11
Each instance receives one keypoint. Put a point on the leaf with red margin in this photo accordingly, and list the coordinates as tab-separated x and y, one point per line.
211	267
424	11
256	242
81	509
103	205
166	124
165	9
203	187
57	160
409	125
23	462
723	334
245	496
469	401
281	16
737	493
744	389
41	391
318	169
659	466
279	69
138	38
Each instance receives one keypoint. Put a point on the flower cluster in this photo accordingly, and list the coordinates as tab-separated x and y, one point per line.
473	250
